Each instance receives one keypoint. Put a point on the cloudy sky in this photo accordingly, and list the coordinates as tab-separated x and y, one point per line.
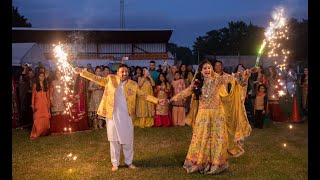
188	18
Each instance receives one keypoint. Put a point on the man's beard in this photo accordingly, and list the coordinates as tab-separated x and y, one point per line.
123	78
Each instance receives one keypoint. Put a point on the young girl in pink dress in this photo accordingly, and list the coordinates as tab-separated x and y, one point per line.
178	107
162	91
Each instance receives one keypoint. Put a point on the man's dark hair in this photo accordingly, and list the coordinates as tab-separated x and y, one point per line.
122	65
219	62
152	62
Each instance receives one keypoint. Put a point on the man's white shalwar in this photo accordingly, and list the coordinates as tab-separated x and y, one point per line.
120	128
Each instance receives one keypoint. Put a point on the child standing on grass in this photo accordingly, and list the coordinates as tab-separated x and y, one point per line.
178	107
260	106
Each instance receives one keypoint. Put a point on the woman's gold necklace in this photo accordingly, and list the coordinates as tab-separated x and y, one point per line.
205	89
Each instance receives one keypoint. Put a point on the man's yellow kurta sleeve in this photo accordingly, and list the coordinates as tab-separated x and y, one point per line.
147	97
102	81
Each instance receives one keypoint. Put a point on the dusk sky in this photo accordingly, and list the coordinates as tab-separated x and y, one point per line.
188	18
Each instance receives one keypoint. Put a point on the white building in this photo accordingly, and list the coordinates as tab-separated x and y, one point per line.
101	46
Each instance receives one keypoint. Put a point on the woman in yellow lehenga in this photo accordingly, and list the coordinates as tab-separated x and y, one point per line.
219	120
145	109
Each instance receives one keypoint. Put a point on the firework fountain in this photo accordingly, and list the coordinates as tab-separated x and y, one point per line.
65	68
274	35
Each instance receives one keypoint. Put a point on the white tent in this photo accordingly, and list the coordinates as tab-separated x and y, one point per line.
28	53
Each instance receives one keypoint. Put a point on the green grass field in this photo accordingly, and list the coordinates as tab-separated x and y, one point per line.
159	154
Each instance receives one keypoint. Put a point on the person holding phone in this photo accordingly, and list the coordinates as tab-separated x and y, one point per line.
145	109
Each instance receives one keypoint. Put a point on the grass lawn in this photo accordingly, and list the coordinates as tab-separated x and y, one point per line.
159	154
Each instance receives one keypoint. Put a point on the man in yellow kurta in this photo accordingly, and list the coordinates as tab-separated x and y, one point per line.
118	107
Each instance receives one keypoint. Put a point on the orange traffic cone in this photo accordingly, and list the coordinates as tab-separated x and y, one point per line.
295	111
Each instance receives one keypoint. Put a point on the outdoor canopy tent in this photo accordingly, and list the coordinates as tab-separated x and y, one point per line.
28	53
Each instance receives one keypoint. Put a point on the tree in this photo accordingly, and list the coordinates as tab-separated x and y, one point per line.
18	20
243	39
298	39
237	38
182	53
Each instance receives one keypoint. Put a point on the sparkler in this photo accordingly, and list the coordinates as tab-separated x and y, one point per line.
276	32
260	51
274	35
66	69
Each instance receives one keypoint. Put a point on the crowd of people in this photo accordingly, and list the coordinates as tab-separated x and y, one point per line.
164	97
261	98
39	96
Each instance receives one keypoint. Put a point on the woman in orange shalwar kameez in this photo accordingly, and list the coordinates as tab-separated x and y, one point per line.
40	107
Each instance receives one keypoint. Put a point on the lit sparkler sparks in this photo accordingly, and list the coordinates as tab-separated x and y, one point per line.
66	70
70	157
284	145
275	33
281	93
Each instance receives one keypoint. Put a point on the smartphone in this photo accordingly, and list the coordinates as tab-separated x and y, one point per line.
147	73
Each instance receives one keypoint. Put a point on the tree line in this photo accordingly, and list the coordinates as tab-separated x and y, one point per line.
240	38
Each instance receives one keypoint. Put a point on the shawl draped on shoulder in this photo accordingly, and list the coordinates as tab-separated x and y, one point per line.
238	126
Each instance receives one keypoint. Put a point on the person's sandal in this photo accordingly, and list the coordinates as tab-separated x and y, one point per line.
132	166
114	168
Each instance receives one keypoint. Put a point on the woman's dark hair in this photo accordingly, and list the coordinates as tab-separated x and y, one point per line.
303	76
198	80
141	70
106	67
237	67
165	79
274	72
265	87
76	84
262	70
185	75
97	68
177	72
45	83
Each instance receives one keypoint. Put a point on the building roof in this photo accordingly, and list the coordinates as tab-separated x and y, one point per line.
19	50
28	53
46	35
